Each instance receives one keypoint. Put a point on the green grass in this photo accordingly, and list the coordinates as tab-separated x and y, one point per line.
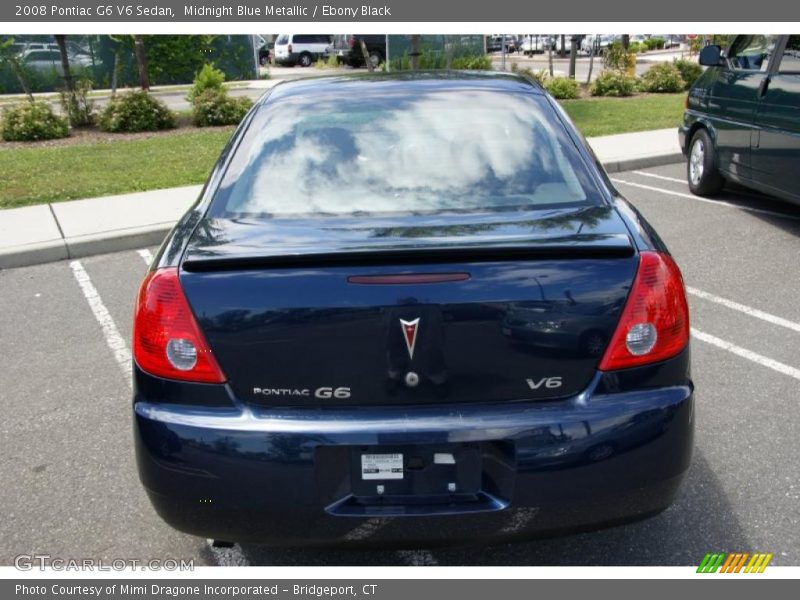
607	116
37	175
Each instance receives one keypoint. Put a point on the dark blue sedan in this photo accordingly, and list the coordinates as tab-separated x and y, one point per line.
376	311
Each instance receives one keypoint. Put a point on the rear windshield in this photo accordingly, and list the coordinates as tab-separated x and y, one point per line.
376	154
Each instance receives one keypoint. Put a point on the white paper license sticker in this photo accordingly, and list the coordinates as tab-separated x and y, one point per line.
381	466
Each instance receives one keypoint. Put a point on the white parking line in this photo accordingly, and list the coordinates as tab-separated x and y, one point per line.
366	529
748	354
418	558
146	255
706	200
664	177
113	338
115	341
228	557
748	310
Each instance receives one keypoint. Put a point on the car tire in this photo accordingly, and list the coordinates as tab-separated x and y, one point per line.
305	60
701	170
376	58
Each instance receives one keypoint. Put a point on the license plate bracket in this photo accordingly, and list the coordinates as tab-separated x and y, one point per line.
416	470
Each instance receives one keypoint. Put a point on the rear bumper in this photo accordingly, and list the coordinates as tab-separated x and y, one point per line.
286	477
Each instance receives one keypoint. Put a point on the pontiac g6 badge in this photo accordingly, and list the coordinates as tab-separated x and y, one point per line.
410	329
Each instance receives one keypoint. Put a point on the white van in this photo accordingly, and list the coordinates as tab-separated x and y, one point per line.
301	49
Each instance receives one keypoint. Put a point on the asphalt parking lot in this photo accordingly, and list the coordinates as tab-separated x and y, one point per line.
69	482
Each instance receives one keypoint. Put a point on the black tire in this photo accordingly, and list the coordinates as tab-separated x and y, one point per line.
701	166
376	58
305	60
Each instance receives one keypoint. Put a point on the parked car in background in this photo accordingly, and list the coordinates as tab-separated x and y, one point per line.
265	53
44	60
301	48
348	49
596	44
531	44
375	310
495	43
742	118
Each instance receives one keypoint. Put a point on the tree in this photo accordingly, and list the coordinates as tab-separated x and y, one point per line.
573	54
141	62
9	56
414	52
69	85
595	40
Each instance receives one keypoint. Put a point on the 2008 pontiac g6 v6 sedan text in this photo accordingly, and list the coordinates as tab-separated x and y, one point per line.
415	297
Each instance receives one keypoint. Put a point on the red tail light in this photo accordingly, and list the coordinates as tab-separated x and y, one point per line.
289	49
352	42
166	339
655	322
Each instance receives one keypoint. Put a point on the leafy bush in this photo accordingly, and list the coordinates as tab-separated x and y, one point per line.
636	47
613	83
77	105
615	56
689	71
654	43
207	78
539	76
473	63
215	107
136	111
32	121
662	78
562	88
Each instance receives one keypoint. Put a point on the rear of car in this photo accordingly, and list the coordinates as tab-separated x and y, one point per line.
348	49
376	312
301	49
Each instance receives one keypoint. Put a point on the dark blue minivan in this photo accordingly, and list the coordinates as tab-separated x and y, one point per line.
375	315
742	121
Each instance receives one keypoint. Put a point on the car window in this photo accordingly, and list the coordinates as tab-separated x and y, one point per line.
282	40
790	60
751	52
441	151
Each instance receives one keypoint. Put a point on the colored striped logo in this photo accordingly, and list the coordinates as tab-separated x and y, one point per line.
734	562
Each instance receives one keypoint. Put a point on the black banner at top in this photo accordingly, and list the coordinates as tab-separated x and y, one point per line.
389	11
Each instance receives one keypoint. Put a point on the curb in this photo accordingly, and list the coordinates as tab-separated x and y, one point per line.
152	235
83	246
643	162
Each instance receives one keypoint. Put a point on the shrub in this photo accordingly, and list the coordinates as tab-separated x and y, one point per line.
613	83
136	111
562	88
473	63
539	76
32	121
207	78
689	71
661	79
215	107
616	57
636	47
77	105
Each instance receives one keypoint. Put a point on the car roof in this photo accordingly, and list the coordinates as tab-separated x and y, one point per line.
406	81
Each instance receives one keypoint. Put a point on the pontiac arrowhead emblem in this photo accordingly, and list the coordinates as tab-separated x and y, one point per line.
410	334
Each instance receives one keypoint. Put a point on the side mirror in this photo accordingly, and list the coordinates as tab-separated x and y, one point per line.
711	56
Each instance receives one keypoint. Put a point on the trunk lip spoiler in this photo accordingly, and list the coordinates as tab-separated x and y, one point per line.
608	246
